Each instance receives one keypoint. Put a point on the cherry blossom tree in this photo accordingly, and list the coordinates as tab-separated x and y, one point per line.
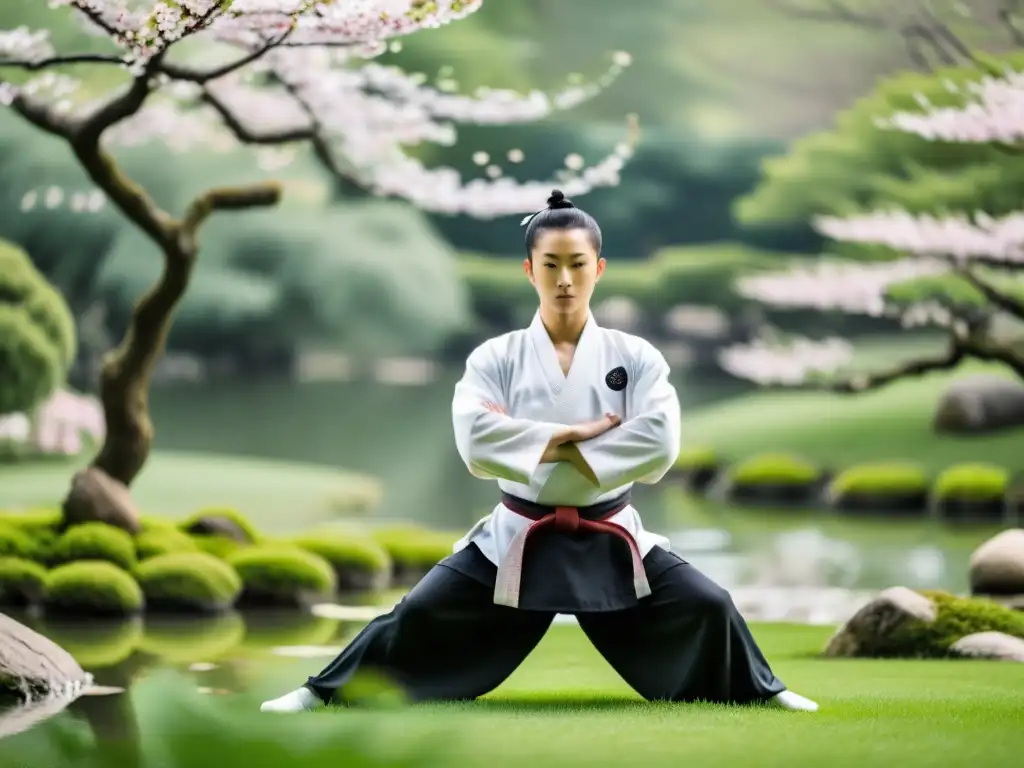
277	75
961	273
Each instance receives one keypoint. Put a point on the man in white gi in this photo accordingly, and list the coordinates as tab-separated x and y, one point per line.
566	416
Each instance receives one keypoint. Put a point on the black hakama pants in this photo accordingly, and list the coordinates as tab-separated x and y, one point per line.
448	640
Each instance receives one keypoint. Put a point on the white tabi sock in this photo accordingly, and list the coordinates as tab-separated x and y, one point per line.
301	700
794	702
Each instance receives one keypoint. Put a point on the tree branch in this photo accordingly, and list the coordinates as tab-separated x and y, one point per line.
225	199
43	115
34	65
996	354
247	135
1002	300
858	383
193	75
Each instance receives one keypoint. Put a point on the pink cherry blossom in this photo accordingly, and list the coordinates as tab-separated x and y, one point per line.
308	73
57	427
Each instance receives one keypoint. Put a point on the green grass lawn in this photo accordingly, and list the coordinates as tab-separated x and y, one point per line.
565	706
277	496
893	423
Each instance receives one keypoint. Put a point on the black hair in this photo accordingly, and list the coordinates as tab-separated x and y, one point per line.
561	214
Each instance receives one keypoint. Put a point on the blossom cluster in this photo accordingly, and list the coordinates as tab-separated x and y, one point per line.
992	111
309	74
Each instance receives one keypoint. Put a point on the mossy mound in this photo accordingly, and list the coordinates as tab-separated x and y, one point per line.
222	522
15	542
188	582
413	549
972	492
22	582
281	575
163	541
697	467
880	488
774	479
956	617
92	588
218	546
95	541
359	562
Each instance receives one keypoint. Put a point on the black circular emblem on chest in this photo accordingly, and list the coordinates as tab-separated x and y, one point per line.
616	379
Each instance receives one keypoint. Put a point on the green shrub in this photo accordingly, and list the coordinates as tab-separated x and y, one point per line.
414	549
775	469
359	562
881	479
162	541
37	333
956	618
92	587
188	581
95	541
282	575
22	582
15	542
692	459
972	482
232	518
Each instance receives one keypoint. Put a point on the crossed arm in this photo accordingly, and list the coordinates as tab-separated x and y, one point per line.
608	451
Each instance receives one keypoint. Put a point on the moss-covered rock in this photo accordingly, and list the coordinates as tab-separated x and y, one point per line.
774	479
22	582
95	541
42	526
224	522
413	549
972	492
92	588
15	542
163	541
697	467
188	582
281	575
218	546
956	617
360	563
889	488
903	623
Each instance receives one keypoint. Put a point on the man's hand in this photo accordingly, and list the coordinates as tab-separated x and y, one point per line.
588	430
494	408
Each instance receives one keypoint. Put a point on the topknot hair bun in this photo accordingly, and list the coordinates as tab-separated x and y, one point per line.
559	200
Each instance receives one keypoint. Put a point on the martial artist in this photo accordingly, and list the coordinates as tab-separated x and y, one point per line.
566	416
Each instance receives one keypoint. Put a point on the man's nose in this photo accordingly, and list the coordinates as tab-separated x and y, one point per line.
564	277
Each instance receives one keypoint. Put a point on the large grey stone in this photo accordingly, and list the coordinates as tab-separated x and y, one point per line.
868	627
990	645
33	667
997	568
980	404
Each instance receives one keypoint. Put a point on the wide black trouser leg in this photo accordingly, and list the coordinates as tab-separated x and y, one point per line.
446	640
685	642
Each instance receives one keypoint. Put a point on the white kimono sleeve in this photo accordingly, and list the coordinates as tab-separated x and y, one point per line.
644	448
493	445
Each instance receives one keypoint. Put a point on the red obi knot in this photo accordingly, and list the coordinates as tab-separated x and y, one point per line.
567	519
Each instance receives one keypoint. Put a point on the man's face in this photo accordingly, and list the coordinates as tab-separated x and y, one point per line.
564	268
